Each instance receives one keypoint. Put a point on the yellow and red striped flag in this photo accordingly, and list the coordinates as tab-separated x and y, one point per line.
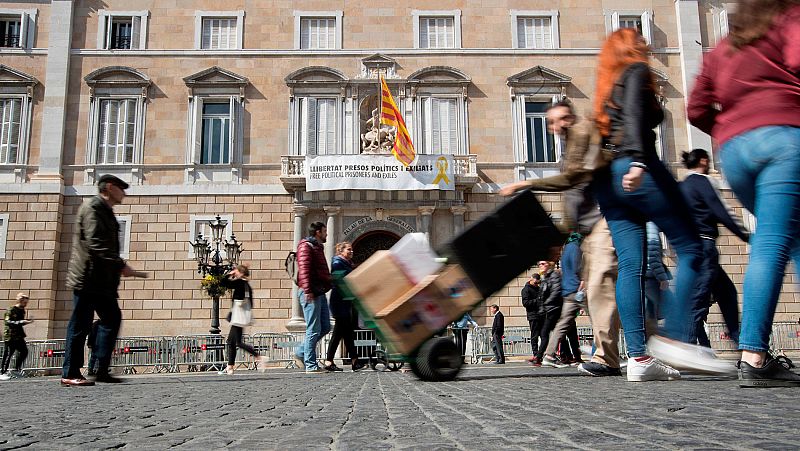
403	149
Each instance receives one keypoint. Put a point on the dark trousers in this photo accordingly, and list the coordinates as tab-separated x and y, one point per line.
343	331
550	320
235	341
460	337
80	323
17	345
497	347
570	346
713	282
536	332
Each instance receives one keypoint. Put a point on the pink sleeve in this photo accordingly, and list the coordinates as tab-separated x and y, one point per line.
700	109
791	40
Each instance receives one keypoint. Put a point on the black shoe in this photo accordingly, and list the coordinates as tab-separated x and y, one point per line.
499	363
598	369
357	366
105	377
332	367
774	373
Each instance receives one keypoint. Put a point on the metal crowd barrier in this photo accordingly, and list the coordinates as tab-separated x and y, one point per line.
153	354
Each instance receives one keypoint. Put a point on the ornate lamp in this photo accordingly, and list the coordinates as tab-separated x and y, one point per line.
233	249
218	229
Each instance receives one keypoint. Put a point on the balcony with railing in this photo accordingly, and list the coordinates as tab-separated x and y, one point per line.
293	171
9	40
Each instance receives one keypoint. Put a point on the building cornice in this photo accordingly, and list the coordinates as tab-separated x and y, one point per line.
348	53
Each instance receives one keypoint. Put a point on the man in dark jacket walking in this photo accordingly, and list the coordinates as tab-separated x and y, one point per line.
95	267
314	280
534	311
498	330
553	301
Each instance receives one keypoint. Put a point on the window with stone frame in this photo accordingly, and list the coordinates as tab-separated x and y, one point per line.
215	126
438	118
641	21
17	28
199	225
16	106
720	17
317	97
437	29
116	123
535	29
122	30
219	30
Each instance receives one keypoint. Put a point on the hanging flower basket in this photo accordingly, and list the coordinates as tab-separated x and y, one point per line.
211	285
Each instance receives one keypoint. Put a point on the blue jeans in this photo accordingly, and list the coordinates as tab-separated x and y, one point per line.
80	324
762	167
318	324
658	199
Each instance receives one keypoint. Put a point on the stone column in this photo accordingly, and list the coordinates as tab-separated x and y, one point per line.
458	218
426	211
297	322
331	225
691	54
55	95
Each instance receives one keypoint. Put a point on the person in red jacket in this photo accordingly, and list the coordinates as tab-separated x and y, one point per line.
314	280
747	97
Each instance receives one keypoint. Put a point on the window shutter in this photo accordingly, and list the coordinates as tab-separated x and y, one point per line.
450	33
547	33
102	138
206	40
101	33
23	31
130	130
331	34
305	24
646	19
424	33
198	130
436	124
453	127
311	126
614	21
522	33
234	117
330	120
136	30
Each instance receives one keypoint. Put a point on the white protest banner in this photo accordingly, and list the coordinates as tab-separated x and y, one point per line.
379	172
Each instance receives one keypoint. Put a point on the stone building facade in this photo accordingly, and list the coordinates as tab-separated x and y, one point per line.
208	112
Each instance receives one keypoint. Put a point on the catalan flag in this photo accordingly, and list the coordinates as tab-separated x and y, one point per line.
403	149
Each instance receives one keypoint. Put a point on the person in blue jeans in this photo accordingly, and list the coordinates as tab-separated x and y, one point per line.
636	188
314	280
748	97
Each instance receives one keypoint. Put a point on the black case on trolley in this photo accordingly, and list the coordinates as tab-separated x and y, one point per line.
505	243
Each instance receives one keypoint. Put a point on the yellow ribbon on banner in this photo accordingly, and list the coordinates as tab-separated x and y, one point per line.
441	165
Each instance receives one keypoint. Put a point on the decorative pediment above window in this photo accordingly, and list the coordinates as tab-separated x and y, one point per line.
376	64
216	80
13	81
433	77
118	78
540	79
316	79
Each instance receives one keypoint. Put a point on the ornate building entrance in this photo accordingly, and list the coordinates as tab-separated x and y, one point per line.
370	242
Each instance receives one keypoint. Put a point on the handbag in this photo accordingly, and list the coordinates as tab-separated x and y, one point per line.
241	313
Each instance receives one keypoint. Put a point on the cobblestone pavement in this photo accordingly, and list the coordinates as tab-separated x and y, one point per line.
489	407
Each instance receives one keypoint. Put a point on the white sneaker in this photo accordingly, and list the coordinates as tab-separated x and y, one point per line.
5	376
651	370
694	358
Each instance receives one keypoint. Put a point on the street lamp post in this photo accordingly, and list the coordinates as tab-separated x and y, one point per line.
210	261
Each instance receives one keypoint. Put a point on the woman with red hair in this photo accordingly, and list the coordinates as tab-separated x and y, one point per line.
637	188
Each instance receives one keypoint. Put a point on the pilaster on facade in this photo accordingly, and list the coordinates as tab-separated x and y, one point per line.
297	321
458	212
332	225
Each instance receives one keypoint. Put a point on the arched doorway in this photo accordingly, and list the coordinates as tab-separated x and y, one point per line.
370	242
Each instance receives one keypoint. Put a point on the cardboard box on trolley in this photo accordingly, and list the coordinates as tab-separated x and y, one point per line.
378	282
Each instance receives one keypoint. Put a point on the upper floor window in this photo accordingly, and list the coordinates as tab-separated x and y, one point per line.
116	131
3	234
16	93
10	128
17	27
639	20
318	30
535	29
318	125
117	112
437	29
124	236
540	146
219	30
122	30
215	129
217	133
440	126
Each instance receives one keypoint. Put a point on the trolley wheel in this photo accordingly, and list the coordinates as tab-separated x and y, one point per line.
395	366
381	358
439	359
